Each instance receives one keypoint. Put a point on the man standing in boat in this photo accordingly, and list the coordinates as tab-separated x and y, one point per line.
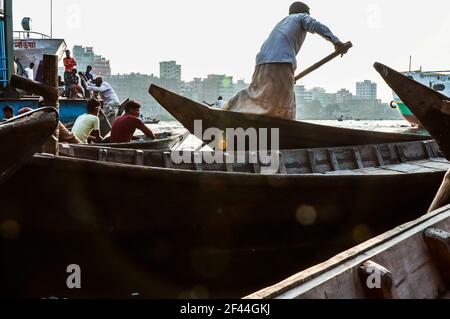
69	65
271	91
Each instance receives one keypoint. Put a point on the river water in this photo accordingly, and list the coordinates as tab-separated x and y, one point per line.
390	126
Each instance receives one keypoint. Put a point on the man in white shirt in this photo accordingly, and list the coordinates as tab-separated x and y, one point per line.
271	92
87	126
107	94
29	73
219	103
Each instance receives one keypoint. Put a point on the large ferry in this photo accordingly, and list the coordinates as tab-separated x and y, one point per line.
437	80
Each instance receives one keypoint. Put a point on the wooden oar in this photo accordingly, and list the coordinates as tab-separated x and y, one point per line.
336	53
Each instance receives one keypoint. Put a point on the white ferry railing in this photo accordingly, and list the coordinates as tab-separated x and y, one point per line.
30	35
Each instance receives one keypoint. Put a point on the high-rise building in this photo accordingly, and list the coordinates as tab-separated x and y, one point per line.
85	56
343	96
170	75
366	90
169	70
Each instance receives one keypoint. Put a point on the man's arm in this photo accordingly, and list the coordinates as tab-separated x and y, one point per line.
314	26
93	87
145	129
95	137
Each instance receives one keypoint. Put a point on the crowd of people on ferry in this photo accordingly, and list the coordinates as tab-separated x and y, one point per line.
101	98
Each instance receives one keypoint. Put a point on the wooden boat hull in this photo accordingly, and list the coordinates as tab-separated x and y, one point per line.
409	262
165	142
424	102
174	233
292	134
23	136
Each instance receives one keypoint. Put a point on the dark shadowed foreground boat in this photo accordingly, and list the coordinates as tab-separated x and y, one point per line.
409	262
23	136
163	141
200	230
426	104
292	134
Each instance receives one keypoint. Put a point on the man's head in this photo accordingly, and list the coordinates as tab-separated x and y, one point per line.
220	98
8	112
31	65
298	7
74	71
98	81
132	108
89	69
25	110
68	53
93	107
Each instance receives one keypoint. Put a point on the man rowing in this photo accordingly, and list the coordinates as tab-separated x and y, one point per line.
271	91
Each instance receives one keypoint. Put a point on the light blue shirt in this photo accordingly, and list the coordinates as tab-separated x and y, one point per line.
287	38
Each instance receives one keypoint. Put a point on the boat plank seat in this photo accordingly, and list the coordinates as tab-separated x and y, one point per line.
434	165
377	171
408	168
411	261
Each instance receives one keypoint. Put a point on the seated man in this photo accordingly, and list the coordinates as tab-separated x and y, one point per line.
87	126
75	90
8	113
124	126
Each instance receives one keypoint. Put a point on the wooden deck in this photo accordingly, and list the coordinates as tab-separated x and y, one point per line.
379	159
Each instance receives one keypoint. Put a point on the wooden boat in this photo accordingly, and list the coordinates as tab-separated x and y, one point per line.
292	134
426	104
23	136
152	121
410	262
204	230
163	141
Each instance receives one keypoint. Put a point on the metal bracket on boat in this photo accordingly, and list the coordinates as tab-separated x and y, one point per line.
379	155
102	155
428	147
139	158
254	159
312	161
377	281
358	158
333	159
167	160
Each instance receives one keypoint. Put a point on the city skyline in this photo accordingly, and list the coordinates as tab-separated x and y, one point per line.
202	37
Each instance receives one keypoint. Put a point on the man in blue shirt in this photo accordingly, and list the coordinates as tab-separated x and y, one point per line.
271	92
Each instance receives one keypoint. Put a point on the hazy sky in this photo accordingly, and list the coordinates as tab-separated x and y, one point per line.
224	36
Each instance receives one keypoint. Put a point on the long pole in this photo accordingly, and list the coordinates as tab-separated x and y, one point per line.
330	57
51	19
